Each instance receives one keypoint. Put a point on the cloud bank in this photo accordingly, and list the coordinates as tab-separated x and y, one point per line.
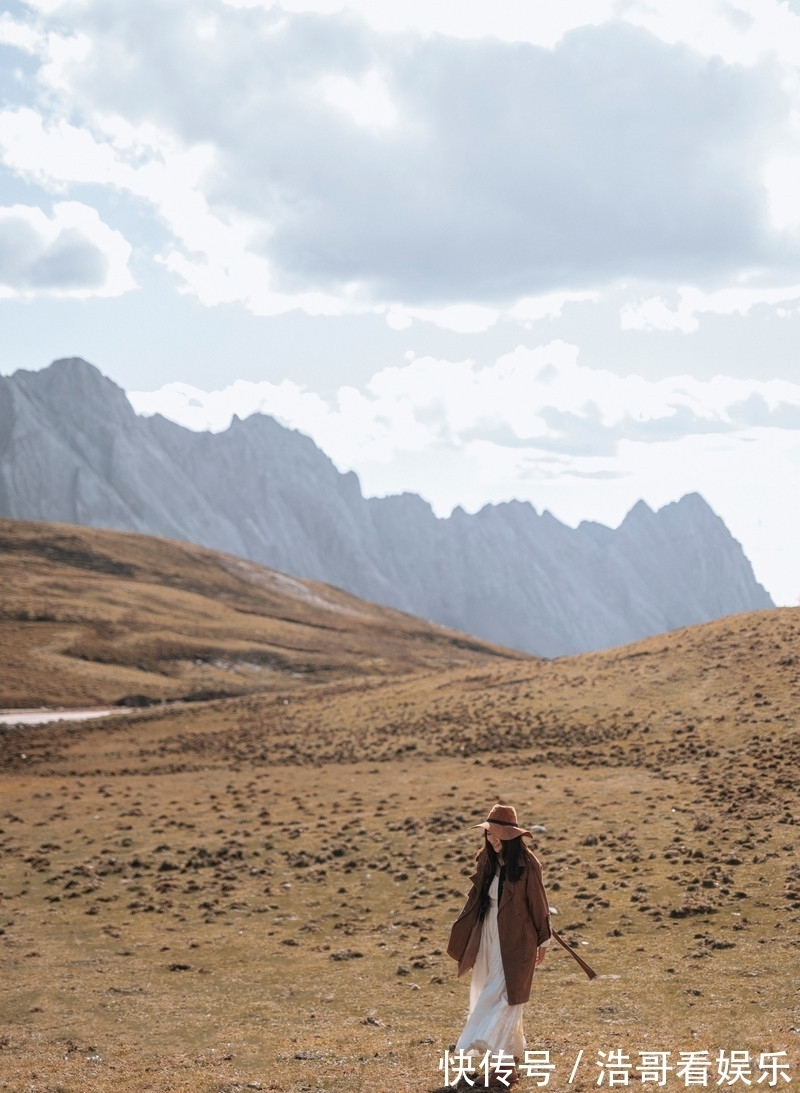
300	159
537	401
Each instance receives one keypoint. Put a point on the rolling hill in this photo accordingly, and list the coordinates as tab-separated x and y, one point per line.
90	616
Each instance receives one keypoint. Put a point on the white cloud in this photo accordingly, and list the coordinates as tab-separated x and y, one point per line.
537	21
56	154
463	318
367	101
214	261
21	35
744	32
551	305
782	182
206	28
49	7
539	399
314	163
656	314
475	319
213	411
71	254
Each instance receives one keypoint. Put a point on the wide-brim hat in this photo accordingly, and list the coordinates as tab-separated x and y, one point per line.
503	819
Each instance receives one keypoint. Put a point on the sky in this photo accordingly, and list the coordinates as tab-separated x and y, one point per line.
526	249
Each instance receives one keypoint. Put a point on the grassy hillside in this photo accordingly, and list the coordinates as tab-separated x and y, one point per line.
90	617
256	892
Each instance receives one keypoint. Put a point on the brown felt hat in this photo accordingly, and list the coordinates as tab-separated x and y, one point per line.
503	818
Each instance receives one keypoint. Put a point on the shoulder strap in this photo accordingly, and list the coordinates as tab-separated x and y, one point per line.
589	971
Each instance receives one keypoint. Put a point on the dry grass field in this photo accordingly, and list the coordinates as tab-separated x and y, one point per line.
90	617
255	891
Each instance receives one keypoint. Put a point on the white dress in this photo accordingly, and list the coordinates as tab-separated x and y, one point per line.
492	1025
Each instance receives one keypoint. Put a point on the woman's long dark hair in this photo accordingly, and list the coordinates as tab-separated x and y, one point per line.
513	867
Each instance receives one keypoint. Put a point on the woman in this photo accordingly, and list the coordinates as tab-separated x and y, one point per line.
501	935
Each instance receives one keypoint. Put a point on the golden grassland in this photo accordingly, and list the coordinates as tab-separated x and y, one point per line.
90	617
256	891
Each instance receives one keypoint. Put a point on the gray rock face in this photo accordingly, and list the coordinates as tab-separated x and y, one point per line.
73	450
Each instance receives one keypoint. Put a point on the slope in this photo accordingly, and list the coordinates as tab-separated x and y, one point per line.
257	892
90	616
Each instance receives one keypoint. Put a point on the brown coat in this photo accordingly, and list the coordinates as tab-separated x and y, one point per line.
523	924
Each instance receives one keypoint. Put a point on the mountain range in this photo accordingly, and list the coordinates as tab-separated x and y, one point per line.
73	450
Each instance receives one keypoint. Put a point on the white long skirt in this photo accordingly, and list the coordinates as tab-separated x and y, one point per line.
492	1025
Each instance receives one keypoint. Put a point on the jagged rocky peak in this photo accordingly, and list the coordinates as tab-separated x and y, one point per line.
72	449
73	382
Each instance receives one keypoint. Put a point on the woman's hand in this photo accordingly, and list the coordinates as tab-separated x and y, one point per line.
540	956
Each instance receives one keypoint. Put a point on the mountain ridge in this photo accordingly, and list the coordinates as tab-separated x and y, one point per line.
72	449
